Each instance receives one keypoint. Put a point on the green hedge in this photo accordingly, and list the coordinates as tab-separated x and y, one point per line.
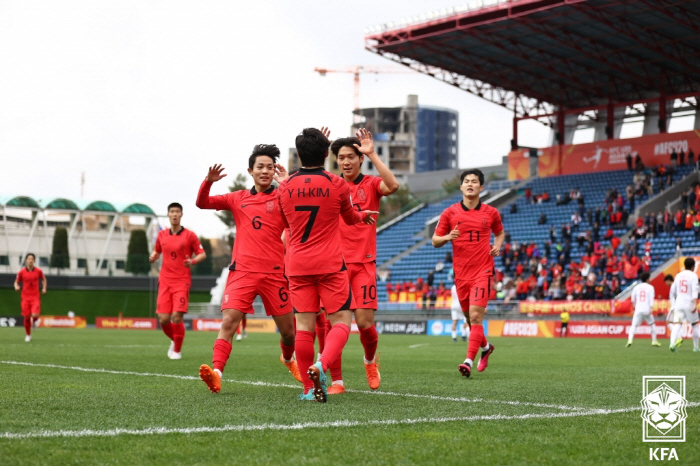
90	303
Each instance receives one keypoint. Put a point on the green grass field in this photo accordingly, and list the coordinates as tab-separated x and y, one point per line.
533	405
90	303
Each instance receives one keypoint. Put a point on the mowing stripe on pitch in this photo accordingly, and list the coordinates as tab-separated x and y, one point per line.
301	426
282	385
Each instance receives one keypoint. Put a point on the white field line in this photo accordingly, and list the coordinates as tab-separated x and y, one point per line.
282	385
301	426
419	345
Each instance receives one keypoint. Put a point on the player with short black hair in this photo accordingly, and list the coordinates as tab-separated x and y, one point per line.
30	276
684	300
257	263
468	226
311	202
359	246
643	302
177	245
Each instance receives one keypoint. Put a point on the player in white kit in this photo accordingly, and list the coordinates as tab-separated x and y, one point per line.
457	315
684	300
643	302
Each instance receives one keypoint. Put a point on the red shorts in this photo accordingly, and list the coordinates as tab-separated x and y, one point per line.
474	292
172	298
363	280
31	306
243	287
332	288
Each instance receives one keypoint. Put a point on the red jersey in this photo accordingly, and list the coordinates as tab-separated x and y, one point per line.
175	249
311	202
30	282
471	250
360	240
258	245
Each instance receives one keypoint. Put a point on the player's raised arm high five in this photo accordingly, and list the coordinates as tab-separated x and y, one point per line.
359	245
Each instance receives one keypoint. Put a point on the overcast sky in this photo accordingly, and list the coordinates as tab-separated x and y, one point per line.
144	95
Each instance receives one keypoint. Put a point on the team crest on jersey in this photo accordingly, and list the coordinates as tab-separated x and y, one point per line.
361	194
270	206
484	223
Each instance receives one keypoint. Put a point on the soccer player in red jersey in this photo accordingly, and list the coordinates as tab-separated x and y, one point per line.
468	225
177	245
29	277
257	263
359	246
311	202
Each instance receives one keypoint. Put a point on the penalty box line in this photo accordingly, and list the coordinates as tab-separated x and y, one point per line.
301	426
282	385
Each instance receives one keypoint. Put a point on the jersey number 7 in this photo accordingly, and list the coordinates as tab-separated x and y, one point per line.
313	211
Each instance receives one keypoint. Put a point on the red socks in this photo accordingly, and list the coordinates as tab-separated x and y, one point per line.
321	330
287	351
335	342
476	341
336	366
168	329
222	350
368	338
28	325
178	336
304	349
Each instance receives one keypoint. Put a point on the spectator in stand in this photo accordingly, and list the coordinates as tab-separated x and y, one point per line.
507	238
596	215
566	232
689	220
691	157
609	233
674	158
575	220
514	208
552	234
696	226
638	164
628	159
596	232
678	220
692	199
567	251
646	262
630	268
431	278
448	257
684	200
659	222
679	245
681	158
543	219
588	291
563	200
589	216
668	222
615	242
528	193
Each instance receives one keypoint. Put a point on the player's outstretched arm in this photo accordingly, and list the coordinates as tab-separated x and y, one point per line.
440	241
204	201
389	184
17	288
43	284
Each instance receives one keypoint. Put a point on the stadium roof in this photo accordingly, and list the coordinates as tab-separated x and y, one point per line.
529	55
68	205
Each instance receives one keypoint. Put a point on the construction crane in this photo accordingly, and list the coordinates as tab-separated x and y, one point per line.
357	70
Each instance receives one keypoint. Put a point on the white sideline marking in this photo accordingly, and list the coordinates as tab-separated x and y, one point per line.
300	426
420	344
283	385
